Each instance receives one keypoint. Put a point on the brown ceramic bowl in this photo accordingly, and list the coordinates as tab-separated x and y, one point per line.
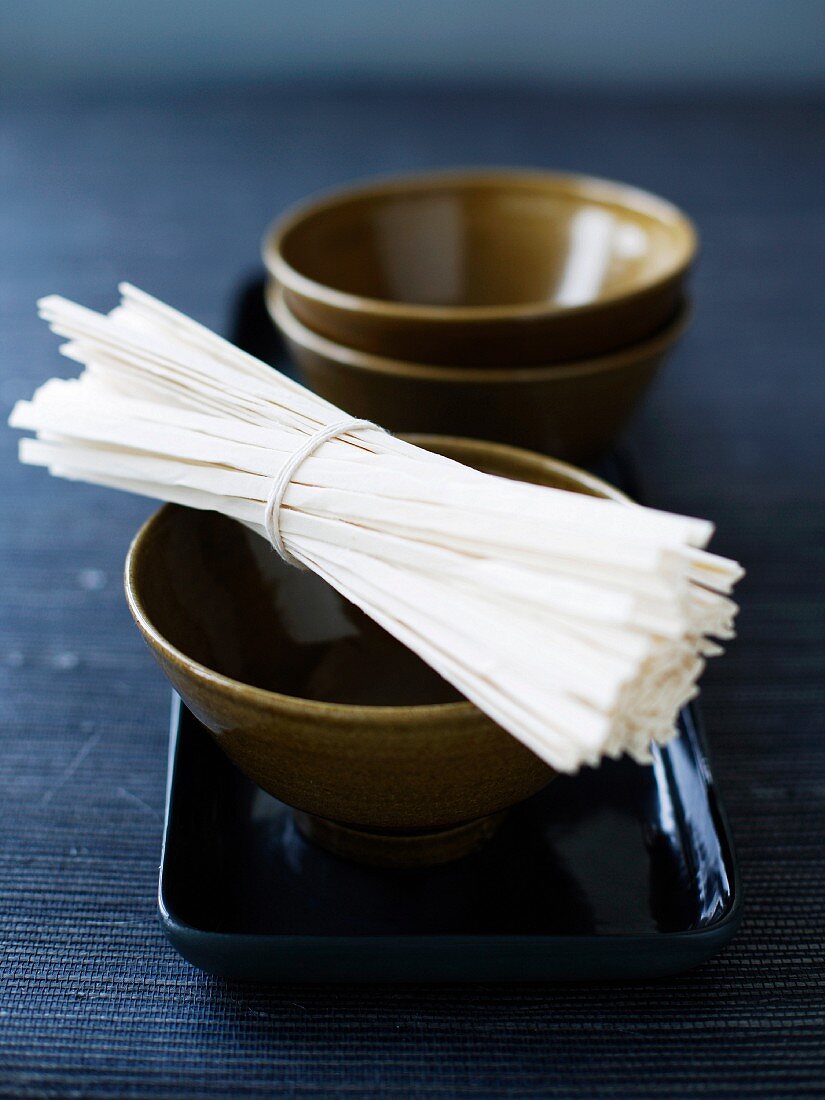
483	268
293	682
572	411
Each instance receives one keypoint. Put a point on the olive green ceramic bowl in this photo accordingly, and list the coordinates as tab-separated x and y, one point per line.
294	684
571	410
483	268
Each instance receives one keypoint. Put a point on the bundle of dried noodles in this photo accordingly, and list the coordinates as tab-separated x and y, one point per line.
579	624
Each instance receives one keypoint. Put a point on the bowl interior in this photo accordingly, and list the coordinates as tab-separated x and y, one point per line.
220	595
509	241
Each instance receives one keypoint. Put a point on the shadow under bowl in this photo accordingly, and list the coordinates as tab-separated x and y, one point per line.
481	268
572	410
383	760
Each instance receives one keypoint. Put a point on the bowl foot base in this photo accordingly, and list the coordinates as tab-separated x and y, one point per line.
376	848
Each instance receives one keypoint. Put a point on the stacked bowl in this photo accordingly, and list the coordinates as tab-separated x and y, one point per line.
521	307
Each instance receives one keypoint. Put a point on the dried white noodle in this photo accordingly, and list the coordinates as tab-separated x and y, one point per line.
579	624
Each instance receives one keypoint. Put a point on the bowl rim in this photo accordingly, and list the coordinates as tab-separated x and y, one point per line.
360	712
296	330
593	188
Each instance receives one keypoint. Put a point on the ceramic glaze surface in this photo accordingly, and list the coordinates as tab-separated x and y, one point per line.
471	268
481	245
249	616
571	410
316	704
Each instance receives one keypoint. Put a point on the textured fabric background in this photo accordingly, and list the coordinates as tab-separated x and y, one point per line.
173	194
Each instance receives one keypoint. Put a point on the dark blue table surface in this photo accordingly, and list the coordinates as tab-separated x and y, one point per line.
172	193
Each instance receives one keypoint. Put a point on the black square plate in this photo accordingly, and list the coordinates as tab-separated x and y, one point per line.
623	871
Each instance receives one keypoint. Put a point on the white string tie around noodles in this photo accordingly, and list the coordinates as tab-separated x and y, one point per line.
280	484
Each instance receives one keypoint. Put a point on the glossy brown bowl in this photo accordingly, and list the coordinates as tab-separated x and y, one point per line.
293	682
573	411
484	268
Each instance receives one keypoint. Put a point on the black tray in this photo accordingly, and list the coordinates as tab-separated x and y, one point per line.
623	871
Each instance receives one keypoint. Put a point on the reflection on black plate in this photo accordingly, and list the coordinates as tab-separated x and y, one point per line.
622	871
